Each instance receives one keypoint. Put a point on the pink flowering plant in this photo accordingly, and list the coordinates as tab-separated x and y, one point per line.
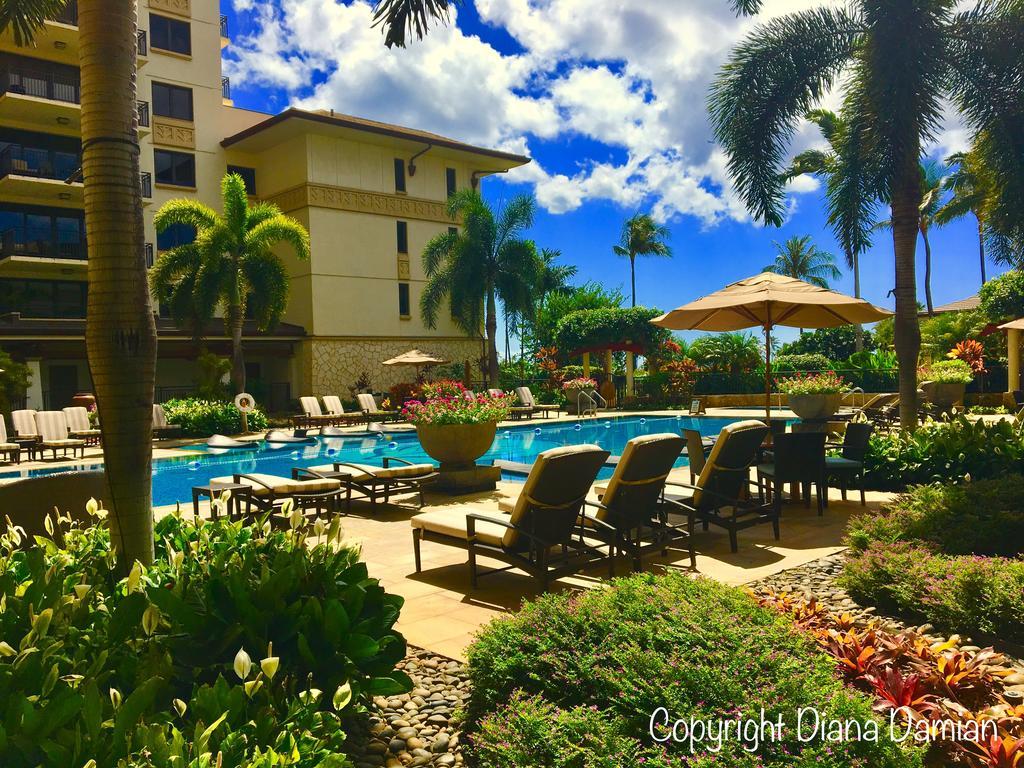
458	409
579	383
432	390
828	383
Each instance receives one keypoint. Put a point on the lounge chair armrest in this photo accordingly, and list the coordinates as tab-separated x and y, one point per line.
298	473
360	470
472	517
387	459
598	523
676	484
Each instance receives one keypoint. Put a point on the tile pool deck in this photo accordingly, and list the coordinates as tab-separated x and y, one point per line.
442	613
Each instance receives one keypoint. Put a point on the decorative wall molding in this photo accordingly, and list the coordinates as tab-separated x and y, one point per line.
177	7
403	269
173	134
359	201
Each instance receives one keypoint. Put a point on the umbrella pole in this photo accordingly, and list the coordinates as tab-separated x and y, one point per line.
768	373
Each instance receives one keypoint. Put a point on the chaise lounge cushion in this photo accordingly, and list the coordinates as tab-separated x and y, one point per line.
280	486
363	472
452	523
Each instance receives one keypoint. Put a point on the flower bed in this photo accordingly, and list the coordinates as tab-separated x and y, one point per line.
202	418
943	452
581	382
458	409
828	383
236	642
573	680
950	698
949	555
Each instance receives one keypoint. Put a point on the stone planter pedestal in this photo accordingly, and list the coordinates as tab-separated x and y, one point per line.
457	447
815	406
944	394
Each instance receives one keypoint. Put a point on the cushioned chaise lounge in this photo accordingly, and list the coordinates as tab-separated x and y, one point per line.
374	483
632	507
337	411
53	434
311	415
542	535
79	427
270	491
724	483
368	405
162	429
528	400
11	450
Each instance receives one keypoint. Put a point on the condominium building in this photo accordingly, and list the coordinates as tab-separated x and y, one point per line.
371	195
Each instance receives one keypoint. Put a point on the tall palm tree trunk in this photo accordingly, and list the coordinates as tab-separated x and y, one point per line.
981	247
632	278
858	329
491	323
235	320
905	220
927	271
120	331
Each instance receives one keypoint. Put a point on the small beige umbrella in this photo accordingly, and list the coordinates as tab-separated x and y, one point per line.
767	300
415	358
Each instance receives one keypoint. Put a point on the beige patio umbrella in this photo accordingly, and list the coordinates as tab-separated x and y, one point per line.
767	300
415	358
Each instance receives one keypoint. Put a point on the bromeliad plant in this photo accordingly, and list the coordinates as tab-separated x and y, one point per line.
459	410
812	384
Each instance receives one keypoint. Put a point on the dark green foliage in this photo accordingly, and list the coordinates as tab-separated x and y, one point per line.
805	362
943	452
593	667
596	327
146	670
14	381
834	343
590	295
948	554
202	418
1002	298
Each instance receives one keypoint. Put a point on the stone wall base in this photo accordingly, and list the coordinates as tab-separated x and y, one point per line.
332	366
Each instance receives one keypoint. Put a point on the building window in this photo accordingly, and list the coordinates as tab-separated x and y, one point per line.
399	175
248	176
403	300
50	233
175	235
402	229
177	168
170	34
450	181
43	298
172	101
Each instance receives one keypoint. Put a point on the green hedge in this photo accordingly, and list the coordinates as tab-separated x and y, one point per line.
947	554
943	452
147	671
573	680
202	418
595	327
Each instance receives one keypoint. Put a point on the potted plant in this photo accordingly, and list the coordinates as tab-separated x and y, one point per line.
945	382
456	431
571	388
815	395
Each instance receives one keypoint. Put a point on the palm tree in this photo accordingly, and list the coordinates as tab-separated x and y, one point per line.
849	215
971	187
798	257
553	278
485	260
897	63
231	264
641	236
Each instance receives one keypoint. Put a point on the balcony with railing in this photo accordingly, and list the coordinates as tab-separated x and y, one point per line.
40	243
22	76
38	162
142	44
146	182
224	26
225	88
143	110
148	250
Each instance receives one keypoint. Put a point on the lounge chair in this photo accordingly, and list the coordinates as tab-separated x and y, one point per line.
850	465
542	536
79	426
526	398
24	422
161	428
368	405
876	406
224	442
337	411
54	434
495	393
374	483
724	482
311	416
11	450
27	502
696	447
631	504
269	492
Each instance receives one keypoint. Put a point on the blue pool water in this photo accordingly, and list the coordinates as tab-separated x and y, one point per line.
173	478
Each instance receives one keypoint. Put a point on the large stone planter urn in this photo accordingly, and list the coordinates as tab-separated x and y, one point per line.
815	406
944	394
457	447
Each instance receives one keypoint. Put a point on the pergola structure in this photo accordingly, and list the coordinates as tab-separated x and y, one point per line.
1013	340
630	348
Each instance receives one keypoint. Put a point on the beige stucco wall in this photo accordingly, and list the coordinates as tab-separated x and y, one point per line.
335	364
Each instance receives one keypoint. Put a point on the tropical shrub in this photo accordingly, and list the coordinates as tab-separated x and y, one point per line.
943	452
405	390
599	327
459	410
834	343
213	369
810	362
812	384
15	378
948	372
202	418
575	680
730	352
239	647
971	352
1002	297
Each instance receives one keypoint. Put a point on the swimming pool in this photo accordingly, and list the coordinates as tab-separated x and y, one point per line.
173	478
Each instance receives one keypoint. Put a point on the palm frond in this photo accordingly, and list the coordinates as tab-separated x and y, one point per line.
185	211
810	161
268	284
434	293
261	212
439	249
280	229
773	78
235	201
400	17
26	17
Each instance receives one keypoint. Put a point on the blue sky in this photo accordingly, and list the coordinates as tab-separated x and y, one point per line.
607	96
